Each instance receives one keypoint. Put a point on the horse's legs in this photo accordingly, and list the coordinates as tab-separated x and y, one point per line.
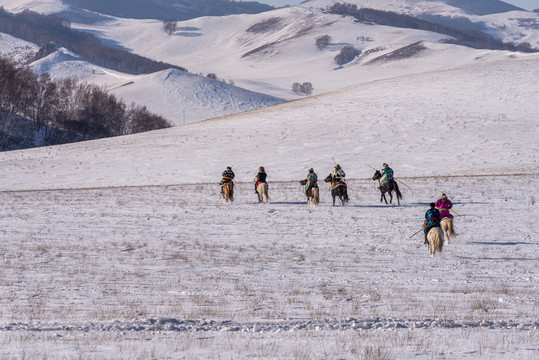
390	197
383	197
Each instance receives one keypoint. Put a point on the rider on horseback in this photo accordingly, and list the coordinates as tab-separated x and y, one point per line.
260	177
337	175
228	175
444	204
387	175
311	180
432	219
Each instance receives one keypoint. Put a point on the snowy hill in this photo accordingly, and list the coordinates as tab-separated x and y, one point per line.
17	50
87	10
269	52
178	96
473	120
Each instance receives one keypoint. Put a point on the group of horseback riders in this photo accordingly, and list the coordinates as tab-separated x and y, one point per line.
434	215
438	210
228	176
337	177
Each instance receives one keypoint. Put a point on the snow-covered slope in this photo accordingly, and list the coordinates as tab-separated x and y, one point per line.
17	50
41	6
474	120
178	96
269	52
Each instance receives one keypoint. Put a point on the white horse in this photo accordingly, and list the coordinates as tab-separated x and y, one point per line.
447	227
436	240
262	190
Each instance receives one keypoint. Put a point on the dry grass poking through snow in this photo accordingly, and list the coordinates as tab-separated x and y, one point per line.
85	271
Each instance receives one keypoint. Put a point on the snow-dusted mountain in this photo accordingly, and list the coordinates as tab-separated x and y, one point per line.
179	96
17	50
269	52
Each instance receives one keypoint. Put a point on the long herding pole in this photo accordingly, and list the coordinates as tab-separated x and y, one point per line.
346	182
455	212
431	226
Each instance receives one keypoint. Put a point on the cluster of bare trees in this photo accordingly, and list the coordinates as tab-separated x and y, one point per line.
303	89
62	111
347	54
323	42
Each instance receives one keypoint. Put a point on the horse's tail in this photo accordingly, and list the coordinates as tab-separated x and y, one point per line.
231	194
266	191
451	228
438	240
397	191
316	195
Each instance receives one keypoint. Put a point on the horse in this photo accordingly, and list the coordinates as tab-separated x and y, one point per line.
313	194
228	191
388	187
435	237
261	191
338	189
447	227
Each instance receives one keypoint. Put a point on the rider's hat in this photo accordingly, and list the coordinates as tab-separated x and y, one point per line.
311	170
385	165
444	196
337	166
261	168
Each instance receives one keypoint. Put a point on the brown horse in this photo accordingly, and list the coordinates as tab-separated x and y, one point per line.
313	194
228	191
447	227
436	240
388	187
261	191
338	189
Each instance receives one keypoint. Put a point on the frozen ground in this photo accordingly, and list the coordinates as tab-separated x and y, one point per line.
173	272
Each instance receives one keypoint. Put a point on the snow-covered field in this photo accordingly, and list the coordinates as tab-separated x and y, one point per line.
121	248
173	272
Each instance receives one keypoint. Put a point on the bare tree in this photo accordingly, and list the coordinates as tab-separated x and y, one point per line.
169	26
303	89
347	54
323	41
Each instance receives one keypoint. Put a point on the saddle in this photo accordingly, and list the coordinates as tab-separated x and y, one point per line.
336	184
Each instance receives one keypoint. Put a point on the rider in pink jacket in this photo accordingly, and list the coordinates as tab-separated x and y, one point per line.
444	204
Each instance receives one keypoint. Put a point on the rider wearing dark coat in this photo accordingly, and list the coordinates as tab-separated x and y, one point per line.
432	219
260	177
228	175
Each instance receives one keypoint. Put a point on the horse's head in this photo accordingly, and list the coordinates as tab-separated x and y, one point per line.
377	175
328	179
303	182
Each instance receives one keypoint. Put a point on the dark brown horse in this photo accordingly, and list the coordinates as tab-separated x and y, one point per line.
338	189
388	187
